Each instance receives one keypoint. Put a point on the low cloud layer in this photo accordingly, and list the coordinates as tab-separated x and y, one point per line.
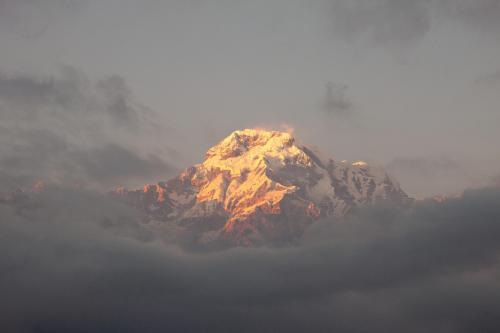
77	261
68	129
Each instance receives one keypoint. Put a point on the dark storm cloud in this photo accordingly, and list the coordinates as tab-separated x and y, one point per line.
432	269
69	129
404	22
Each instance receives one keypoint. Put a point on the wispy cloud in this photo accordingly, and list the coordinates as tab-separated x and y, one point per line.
67	128
396	23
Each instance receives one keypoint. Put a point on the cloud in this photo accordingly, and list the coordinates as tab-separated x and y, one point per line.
68	128
67	95
336	101
434	268
391	23
385	22
117	163
42	155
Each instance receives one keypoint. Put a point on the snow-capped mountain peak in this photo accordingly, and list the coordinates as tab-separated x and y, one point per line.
257	186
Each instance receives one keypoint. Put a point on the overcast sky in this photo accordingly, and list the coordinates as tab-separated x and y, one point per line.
416	83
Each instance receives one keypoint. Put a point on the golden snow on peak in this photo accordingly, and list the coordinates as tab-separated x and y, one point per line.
241	163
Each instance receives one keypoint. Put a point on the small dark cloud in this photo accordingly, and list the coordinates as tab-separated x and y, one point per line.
119	103
336	101
77	261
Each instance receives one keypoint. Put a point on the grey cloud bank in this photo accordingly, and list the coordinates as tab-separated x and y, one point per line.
77	261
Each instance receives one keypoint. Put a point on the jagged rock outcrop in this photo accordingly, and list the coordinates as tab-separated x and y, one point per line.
258	187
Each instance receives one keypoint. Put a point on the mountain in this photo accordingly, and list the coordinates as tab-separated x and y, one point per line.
259	187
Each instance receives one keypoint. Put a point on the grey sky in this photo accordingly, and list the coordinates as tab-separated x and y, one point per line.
103	93
413	69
